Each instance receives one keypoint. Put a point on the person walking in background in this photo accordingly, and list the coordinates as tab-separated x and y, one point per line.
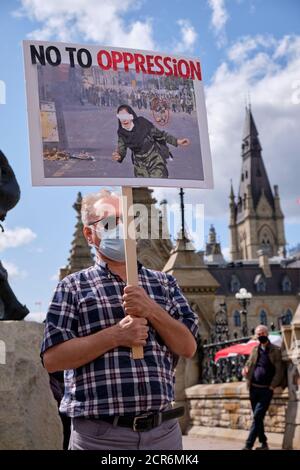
264	372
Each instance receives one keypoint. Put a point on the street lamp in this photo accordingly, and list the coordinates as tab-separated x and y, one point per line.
244	299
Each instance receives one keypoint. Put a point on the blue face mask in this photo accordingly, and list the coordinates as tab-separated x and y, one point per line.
112	243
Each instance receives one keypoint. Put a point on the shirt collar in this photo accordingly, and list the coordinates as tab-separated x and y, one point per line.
266	347
102	264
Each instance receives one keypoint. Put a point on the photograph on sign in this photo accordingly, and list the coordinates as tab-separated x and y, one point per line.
123	117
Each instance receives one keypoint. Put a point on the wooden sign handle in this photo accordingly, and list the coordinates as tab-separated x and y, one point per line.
130	251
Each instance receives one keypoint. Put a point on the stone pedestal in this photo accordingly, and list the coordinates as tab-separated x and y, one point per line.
28	412
187	374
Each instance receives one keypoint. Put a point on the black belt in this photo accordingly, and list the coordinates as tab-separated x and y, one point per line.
260	386
144	422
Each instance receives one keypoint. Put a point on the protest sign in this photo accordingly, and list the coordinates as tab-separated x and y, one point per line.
75	96
111	116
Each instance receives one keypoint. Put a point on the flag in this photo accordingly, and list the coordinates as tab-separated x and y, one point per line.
246	348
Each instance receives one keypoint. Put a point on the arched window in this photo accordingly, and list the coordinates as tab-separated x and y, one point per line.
237	318
266	245
286	284
261	286
287	317
263	317
266	241
235	284
260	283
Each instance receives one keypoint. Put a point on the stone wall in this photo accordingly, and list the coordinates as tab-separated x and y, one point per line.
28	412
228	406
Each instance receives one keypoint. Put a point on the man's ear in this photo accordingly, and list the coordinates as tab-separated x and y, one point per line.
87	234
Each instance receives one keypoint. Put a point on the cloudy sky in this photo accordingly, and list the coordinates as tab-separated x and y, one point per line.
246	47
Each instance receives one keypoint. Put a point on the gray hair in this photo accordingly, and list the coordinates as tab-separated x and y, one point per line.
262	327
91	205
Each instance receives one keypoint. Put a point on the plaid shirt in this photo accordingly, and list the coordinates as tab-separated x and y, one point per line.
114	383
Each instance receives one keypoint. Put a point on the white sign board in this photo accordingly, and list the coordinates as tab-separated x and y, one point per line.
112	116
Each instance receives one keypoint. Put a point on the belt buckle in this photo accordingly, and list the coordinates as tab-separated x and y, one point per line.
135	423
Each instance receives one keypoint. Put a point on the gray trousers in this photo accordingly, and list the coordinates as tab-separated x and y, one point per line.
94	434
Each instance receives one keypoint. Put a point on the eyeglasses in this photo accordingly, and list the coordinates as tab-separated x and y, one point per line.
108	223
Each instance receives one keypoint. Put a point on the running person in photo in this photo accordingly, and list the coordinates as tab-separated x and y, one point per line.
147	144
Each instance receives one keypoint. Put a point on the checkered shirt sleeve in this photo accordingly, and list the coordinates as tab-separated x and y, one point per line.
61	322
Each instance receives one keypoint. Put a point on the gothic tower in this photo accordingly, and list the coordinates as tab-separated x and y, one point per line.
213	250
80	254
153	250
256	219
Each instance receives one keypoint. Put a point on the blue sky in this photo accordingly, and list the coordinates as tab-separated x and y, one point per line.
244	46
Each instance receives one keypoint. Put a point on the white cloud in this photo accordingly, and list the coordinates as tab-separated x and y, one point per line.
269	80
241	50
219	19
188	36
11	238
13	270
91	20
269	73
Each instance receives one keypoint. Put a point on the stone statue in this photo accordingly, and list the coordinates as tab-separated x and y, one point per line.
9	188
10	307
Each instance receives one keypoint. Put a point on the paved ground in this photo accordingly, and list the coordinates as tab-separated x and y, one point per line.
212	443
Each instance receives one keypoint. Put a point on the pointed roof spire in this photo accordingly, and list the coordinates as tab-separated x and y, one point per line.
249	125
213	247
212	234
253	172
182	230
188	267
231	190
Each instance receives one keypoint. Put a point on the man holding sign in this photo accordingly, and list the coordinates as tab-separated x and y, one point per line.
94	319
